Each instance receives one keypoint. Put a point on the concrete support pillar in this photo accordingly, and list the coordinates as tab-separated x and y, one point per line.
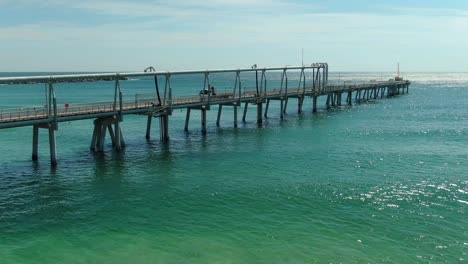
95	137
52	144
259	113
245	111
282	111
187	119
35	146
300	101
285	105
101	126
111	134
328	101
235	115
350	98
339	98
266	108
118	138
102	138
164	127
314	104
148	126
218	119
122	141
203	121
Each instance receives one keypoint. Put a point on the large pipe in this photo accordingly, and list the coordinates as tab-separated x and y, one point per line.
119	76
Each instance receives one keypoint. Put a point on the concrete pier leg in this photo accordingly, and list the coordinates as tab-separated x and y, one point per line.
94	139
407	89
122	141
203	121
350	98
314	104
218	119
339	99
375	93
98	137
235	115
164	127
328	102
266	108
111	134
148	126
102	137
118	136
282	111
259	113
285	105
300	101
52	144
35	145
245	111
187	119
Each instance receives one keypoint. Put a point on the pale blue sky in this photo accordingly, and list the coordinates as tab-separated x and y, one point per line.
125	35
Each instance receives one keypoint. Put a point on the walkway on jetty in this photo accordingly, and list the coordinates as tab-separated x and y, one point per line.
313	82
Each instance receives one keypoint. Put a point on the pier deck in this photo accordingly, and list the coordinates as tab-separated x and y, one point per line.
108	115
26	116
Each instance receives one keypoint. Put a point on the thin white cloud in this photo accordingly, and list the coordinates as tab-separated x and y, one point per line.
433	12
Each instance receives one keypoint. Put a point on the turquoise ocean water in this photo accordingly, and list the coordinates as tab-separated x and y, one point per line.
379	182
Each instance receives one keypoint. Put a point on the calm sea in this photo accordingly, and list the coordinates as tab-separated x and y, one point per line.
384	181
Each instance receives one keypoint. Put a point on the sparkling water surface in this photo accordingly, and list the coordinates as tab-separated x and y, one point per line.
380	182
